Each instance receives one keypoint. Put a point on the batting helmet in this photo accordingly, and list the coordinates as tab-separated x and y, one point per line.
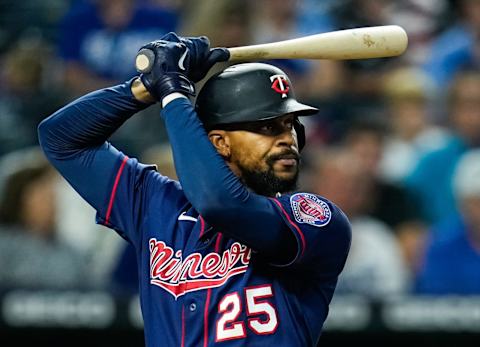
247	93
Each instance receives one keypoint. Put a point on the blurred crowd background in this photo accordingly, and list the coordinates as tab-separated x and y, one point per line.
396	143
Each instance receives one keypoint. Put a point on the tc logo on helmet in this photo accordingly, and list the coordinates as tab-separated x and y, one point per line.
280	84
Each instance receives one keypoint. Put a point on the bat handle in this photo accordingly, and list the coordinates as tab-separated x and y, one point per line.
144	60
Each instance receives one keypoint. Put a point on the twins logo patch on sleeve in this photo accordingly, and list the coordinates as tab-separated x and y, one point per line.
308	208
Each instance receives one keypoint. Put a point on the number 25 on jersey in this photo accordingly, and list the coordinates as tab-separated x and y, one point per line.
262	315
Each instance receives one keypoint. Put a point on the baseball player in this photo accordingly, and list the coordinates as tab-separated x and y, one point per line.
226	256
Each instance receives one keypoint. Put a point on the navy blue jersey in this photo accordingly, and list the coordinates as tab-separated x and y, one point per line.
199	284
212	288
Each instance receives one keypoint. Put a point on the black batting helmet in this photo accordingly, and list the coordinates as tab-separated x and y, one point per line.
247	93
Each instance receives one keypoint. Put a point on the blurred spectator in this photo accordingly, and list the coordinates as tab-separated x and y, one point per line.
458	47
171	5
19	17
31	255
315	16
375	266
96	33
28	91
359	13
431	180
386	202
452	258
407	92
276	20
229	27
422	20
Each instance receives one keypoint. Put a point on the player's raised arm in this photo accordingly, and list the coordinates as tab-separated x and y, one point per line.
74	140
85	125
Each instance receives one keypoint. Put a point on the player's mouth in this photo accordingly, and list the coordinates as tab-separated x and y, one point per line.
286	160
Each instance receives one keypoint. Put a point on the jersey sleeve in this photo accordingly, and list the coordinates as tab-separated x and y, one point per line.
131	189
119	188
321	229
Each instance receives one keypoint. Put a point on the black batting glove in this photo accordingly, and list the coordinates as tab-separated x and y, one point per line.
168	70
200	58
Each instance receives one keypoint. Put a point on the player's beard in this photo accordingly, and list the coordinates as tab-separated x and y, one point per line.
265	182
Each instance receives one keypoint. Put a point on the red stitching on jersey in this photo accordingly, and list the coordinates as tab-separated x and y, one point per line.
183	326
209	293
202	225
217	243
205	319
114	190
302	237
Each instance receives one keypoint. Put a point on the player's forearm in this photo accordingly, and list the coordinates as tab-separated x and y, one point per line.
88	121
204	176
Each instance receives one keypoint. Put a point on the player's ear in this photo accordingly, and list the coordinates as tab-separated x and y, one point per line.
221	142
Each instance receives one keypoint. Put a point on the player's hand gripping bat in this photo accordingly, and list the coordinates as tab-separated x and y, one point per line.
359	43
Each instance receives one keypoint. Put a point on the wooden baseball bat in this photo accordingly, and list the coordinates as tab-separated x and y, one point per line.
359	43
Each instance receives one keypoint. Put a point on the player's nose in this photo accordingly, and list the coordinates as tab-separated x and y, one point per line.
287	138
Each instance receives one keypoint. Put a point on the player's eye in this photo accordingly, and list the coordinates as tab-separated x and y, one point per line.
267	128
272	127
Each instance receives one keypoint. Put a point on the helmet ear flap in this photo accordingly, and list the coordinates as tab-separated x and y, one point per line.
300	130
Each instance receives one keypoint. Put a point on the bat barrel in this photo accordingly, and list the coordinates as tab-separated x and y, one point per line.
359	43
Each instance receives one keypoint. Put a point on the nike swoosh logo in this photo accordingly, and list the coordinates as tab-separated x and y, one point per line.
183	216
182	59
